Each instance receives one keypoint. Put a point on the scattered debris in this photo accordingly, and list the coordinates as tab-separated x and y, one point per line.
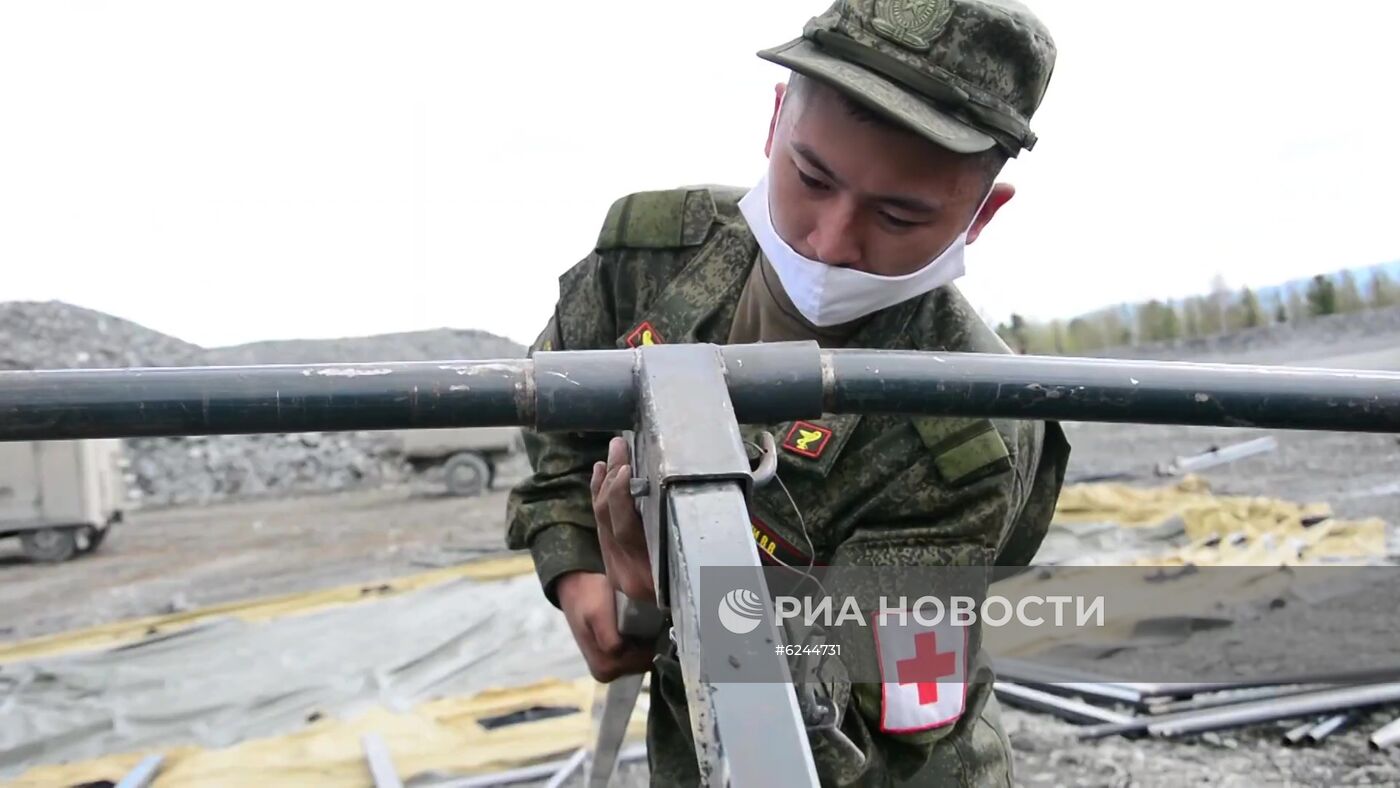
631	754
526	715
1386	736
568	769
1331	725
1064	708
144	774
381	765
1340	707
1299	734
1218	456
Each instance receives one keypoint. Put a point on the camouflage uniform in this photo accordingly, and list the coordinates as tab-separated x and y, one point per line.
670	266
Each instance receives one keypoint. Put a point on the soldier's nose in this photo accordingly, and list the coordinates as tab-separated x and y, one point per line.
833	239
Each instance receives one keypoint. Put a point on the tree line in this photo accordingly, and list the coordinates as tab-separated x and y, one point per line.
1222	311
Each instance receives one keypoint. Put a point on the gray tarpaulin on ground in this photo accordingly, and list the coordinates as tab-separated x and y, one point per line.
229	680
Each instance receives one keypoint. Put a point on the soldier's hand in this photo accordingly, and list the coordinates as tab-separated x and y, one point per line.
620	533
587	601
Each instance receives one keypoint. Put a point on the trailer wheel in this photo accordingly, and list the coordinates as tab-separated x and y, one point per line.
50	545
467	474
95	536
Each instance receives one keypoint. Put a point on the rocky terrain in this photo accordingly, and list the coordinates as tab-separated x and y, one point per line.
165	471
55	335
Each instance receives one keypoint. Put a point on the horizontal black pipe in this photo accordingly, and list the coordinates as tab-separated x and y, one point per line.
1104	390
595	390
162	401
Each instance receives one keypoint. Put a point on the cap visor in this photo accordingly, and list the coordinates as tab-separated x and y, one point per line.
881	95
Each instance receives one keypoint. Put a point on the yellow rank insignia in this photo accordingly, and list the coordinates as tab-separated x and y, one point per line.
807	439
644	334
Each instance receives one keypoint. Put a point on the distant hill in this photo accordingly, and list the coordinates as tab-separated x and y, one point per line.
56	335
442	343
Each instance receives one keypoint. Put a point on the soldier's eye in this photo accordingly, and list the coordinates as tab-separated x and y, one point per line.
897	222
810	182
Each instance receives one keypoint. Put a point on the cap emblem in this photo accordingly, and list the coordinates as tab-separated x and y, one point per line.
913	24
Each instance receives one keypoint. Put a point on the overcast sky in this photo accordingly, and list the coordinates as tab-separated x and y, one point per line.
230	172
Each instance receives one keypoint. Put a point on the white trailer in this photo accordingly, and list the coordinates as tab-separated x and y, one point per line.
60	498
469	456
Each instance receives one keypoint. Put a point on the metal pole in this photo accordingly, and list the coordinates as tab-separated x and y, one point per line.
1065	708
619	699
125	403
1282	709
1298	733
540	771
568	769
1066	681
593	390
693	479
1228	698
144	773
1288	704
1331	725
1386	736
1079	389
381	764
1358	676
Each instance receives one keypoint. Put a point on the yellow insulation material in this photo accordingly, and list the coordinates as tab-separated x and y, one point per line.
1225	530
441	736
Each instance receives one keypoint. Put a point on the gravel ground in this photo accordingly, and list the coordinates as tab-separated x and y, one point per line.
1358	474
187	557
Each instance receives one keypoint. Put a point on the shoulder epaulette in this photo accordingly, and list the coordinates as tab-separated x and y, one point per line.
658	220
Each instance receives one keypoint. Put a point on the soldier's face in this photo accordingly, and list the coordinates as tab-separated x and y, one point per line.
848	192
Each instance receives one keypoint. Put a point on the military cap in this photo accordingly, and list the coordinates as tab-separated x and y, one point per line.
966	74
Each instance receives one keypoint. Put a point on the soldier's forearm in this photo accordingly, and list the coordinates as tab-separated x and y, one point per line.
563	548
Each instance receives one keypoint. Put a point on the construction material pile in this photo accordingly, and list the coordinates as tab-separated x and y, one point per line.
55	335
166	471
1312	711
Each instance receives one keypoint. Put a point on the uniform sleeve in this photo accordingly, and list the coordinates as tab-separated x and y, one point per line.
959	527
550	513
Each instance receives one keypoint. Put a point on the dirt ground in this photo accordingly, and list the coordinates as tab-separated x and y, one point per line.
173	559
165	560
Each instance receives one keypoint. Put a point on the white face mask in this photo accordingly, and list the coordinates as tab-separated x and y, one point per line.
828	295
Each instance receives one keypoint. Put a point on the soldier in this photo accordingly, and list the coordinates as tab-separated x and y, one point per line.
883	152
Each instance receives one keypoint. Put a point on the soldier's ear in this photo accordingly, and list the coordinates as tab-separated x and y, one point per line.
778	91
1001	195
